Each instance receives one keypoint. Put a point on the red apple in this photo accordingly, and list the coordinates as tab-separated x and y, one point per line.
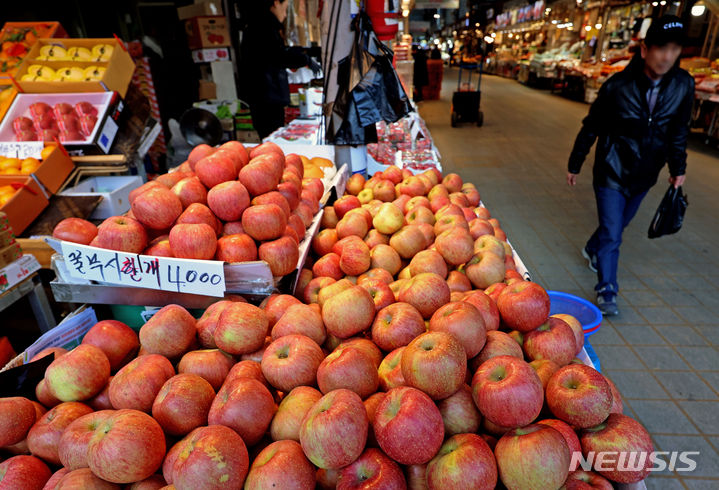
390	370
311	292
408	426
396	325
44	437
458	282
385	257
241	329
118	341
197	213
348	368
281	255
427	292
617	404
435	362
215	169
428	261
498	344
17	416
586	480
78	375
72	448
264	221
157	208
328	266
545	369
190	190
462	320
579	395
127	446
136	385
463	461
211	458
495	290
376	274
365	346
355	258
212	365
349	312
334	431
455	245
276	305
183	403
247	408
228	200
535	456
380	292
75	230
324	241
159	247
293	408
154	482
170	332
143	188
373	469
485	269
523	306
236	248
300	319
344	204
486	307
408	241
207	323
371	404
122	234
507	391
291	361
459	413
43	395
553	340
282	464
576	327
198	153
24	472
570	437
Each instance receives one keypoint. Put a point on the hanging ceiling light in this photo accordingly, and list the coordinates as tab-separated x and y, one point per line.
698	9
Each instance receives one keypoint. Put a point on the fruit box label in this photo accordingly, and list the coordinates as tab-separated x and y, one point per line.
22	150
204	277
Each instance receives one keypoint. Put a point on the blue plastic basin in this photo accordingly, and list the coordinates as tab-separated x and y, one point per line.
588	314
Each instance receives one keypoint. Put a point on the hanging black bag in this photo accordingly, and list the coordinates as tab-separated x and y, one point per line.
670	214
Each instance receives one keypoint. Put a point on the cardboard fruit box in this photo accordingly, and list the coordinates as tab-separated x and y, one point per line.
7	94
118	68
26	204
207	32
17	38
54	170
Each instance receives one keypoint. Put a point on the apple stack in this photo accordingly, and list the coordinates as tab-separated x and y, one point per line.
416	358
224	204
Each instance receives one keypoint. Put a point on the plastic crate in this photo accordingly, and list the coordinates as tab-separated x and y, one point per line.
588	314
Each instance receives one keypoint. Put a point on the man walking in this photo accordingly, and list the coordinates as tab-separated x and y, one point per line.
641	120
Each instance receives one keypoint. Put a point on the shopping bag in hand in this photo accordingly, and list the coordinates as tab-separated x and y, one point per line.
670	215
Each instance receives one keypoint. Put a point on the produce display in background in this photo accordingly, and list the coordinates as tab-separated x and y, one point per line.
417	154
223	203
17	38
63	121
15	166
412	356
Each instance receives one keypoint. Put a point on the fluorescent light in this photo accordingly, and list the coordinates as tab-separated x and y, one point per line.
663	2
587	28
597	26
488	39
494	34
698	9
436	16
405	13
655	4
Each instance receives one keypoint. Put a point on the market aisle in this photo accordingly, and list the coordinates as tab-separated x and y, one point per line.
662	350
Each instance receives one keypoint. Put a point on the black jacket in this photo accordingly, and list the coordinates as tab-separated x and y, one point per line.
633	144
265	57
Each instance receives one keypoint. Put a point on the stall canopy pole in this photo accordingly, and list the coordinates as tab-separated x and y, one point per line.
337	38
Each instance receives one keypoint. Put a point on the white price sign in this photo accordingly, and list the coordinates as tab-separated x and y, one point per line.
21	149
205	277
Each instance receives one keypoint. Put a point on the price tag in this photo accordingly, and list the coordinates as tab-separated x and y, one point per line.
205	277
22	149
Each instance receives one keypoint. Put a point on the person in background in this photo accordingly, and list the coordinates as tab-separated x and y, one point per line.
420	77
641	121
264	60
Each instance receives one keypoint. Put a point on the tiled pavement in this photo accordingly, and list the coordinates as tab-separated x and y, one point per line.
662	350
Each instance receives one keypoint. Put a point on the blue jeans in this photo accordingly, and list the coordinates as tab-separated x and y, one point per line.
615	211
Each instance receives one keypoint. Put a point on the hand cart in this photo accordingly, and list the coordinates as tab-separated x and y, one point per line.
465	101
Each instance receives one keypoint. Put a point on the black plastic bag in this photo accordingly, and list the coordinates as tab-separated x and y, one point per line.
670	214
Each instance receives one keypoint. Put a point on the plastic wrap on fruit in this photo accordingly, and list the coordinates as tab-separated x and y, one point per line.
85	108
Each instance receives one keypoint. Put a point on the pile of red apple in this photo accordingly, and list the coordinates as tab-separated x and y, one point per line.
412	356
62	121
224	204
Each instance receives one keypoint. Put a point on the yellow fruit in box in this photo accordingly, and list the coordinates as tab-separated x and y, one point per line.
51	52
312	172
102	52
11	171
70	74
305	160
7	189
78	53
31	78
46	151
321	162
10	163
29	165
93	73
41	71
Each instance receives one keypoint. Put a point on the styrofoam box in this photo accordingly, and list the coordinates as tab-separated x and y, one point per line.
21	107
115	192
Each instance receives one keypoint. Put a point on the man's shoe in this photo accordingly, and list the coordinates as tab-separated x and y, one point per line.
607	303
591	260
